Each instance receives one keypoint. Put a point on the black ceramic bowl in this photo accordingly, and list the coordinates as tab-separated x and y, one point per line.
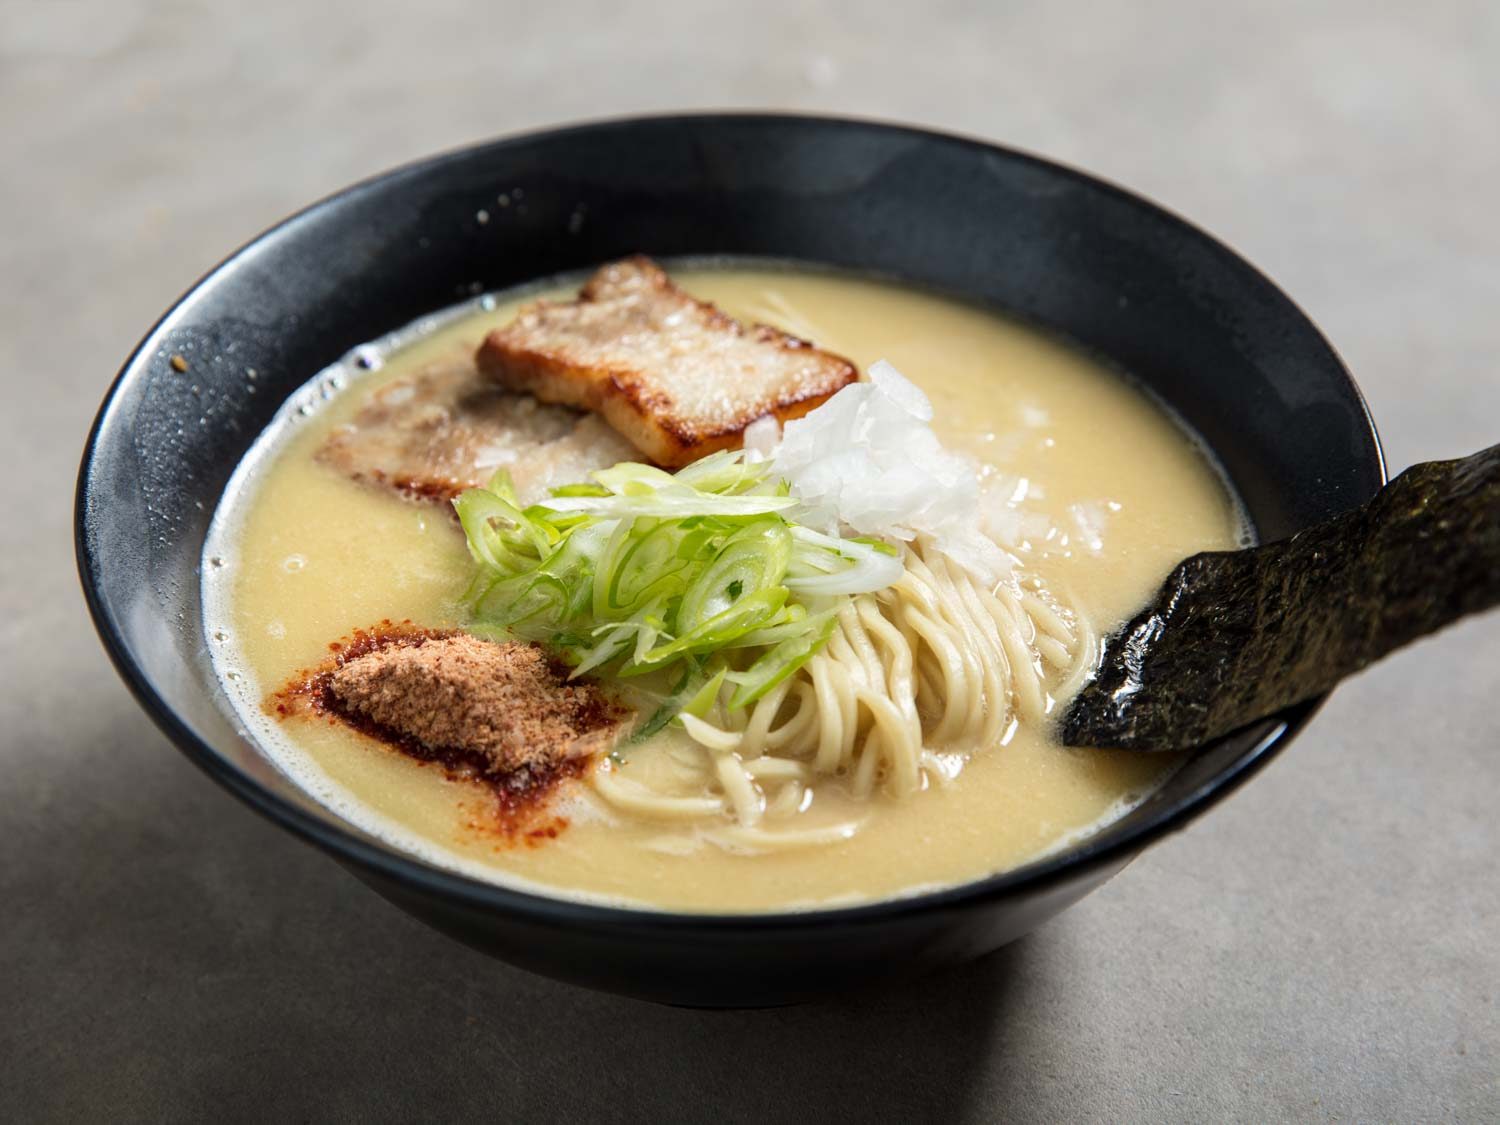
1078	257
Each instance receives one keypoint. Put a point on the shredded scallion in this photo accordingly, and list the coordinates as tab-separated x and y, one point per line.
704	576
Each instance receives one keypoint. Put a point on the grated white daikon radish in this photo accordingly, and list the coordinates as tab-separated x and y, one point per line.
761	437
868	460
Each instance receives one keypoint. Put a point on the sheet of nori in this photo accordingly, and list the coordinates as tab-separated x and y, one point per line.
1234	636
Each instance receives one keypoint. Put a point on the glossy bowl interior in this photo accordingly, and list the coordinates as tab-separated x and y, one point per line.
1106	269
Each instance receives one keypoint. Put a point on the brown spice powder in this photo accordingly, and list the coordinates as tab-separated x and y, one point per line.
501	700
500	713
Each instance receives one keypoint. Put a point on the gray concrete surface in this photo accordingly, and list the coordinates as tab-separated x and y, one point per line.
1324	947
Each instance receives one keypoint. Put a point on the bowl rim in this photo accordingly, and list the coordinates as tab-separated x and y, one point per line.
1093	853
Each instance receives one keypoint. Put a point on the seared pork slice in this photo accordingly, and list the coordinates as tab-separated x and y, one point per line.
673	374
501	701
440	431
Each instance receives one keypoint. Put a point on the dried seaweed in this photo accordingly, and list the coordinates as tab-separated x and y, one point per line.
1235	636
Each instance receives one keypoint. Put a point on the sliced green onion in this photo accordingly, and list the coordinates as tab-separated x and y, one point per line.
754	558
876	544
706	696
646	567
504	487
798	624
722	472
750	612
639	571
499	533
630	478
673	505
666	711
580	490
824	565
780	662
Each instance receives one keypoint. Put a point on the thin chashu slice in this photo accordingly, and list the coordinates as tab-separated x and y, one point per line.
443	429
673	374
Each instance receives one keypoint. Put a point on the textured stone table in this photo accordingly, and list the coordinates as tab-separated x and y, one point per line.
1325	946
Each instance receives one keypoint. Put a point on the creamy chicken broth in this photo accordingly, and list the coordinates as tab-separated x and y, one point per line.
1091	485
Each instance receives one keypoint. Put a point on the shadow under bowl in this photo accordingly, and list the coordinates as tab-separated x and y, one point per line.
1117	275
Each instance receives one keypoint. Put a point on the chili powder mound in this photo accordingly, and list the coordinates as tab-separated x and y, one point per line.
498	712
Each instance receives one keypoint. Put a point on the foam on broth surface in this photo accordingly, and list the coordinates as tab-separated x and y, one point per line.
1109	494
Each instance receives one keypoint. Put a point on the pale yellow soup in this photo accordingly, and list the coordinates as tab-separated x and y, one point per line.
303	556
